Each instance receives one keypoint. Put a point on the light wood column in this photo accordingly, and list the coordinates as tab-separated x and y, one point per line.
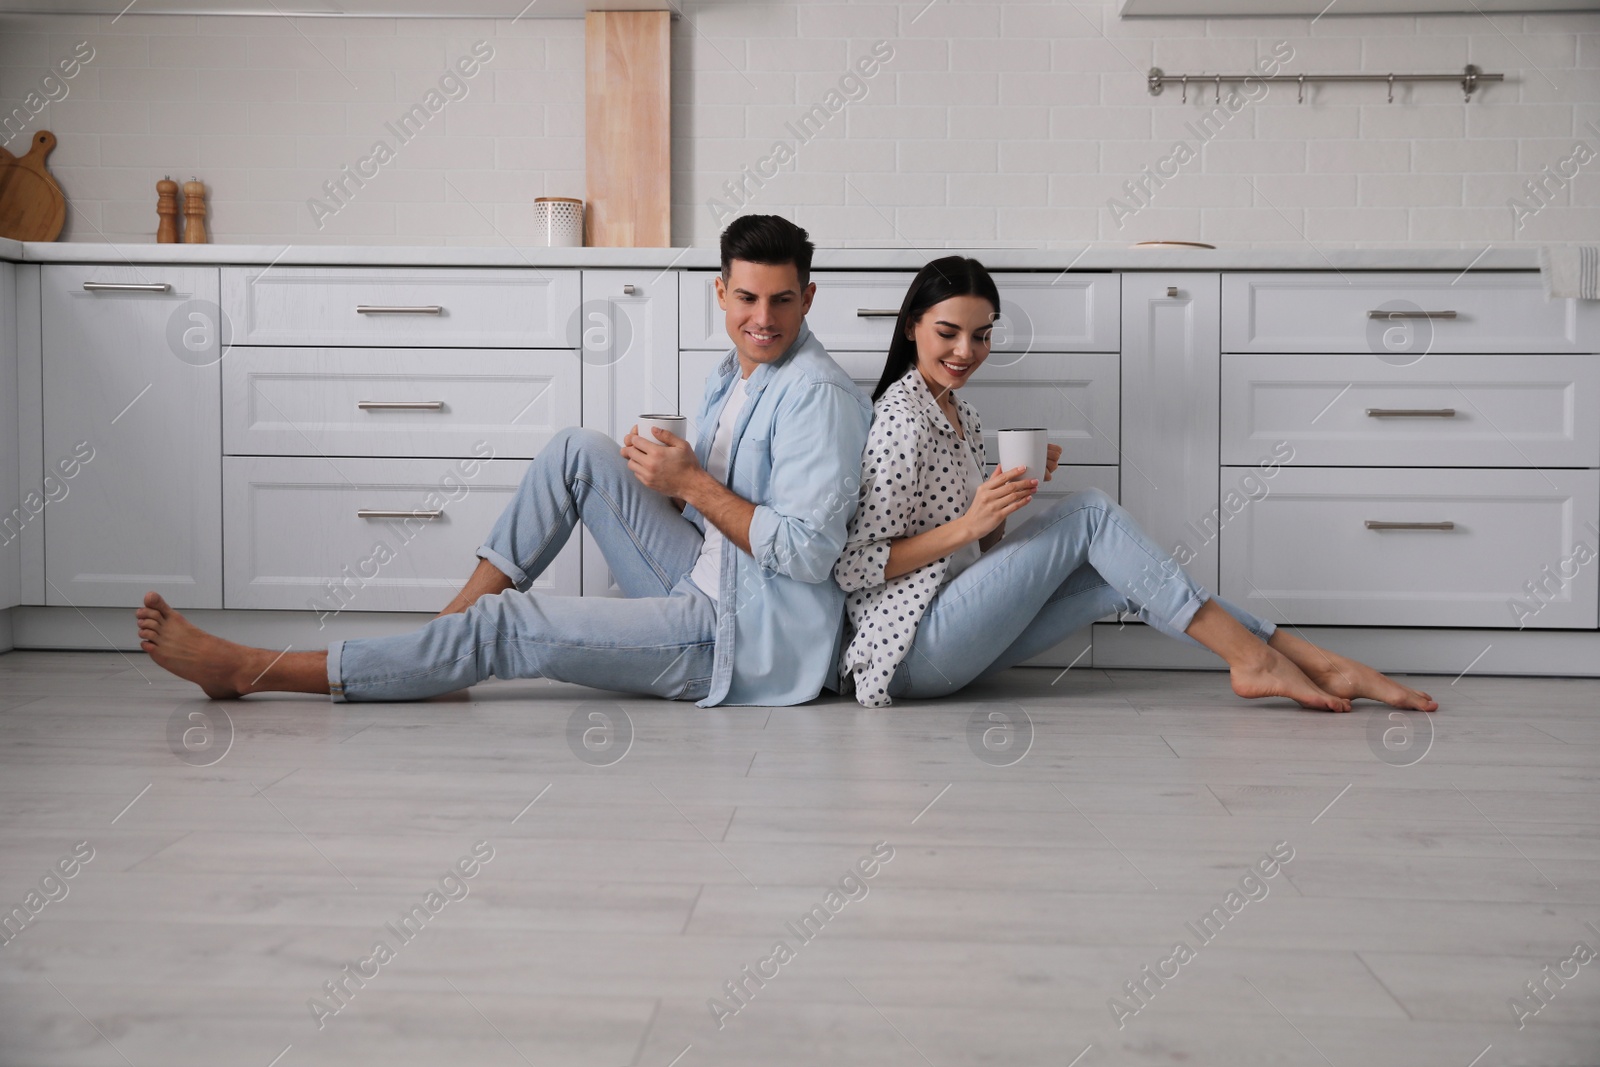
629	151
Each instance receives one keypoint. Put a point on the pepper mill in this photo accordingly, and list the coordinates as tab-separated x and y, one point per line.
167	209
194	212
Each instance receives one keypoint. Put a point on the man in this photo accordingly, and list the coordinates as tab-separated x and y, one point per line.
725	550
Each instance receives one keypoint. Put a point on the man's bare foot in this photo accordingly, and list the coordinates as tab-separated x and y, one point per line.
1272	674
220	668
1349	678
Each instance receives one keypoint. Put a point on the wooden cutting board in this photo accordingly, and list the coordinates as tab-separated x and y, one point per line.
32	206
628	100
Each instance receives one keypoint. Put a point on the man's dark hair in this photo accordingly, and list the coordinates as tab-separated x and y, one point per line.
769	240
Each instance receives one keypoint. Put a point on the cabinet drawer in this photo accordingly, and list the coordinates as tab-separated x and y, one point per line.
294	541
1058	313
1304	551
349	402
1039	312
1074	395
1066	481
1460	312
443	308
1448	411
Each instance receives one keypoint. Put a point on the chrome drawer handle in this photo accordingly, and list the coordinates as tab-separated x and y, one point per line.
1411	314
127	287
877	313
386	309
1411	413
400	405
1373	524
630	290
371	513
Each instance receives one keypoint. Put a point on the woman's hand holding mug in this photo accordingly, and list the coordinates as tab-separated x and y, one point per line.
1004	492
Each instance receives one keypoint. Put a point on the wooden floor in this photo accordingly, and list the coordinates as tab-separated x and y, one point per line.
223	893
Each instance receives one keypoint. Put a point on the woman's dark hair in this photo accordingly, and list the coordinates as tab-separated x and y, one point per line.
934	284
767	239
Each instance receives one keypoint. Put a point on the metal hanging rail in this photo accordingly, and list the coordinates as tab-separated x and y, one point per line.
1468	78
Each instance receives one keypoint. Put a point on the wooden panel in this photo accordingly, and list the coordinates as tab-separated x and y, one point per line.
628	95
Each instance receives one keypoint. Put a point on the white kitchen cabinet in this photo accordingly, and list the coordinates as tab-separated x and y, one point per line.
132	407
855	311
1417	547
1170	371
1075	395
335	534
402	306
1402	318
413	402
629	351
14	515
1455	410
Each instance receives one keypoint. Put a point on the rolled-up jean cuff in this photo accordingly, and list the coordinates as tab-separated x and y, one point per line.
518	576
335	683
1180	620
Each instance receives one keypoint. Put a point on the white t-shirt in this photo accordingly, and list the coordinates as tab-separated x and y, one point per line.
972	477
707	573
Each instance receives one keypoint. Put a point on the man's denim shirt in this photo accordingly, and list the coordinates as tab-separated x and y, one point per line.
796	455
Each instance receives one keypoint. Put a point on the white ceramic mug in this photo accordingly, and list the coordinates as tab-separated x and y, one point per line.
1025	448
673	424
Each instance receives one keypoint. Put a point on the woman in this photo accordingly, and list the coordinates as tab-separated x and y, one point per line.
940	593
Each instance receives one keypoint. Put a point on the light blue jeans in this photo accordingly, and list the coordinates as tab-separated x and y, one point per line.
1055	573
659	641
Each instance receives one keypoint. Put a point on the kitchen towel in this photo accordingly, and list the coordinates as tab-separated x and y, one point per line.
1570	270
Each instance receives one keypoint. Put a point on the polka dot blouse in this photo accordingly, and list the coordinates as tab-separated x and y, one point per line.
916	475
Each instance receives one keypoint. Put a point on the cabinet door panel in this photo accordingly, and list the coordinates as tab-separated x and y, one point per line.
14	520
1170	393
132	393
630	368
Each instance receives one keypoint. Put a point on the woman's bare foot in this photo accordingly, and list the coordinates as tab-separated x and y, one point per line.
1256	668
1349	678
1272	674
218	667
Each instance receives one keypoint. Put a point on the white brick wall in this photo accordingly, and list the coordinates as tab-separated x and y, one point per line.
995	123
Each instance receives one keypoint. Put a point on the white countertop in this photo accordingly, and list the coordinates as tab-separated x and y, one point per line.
1093	258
